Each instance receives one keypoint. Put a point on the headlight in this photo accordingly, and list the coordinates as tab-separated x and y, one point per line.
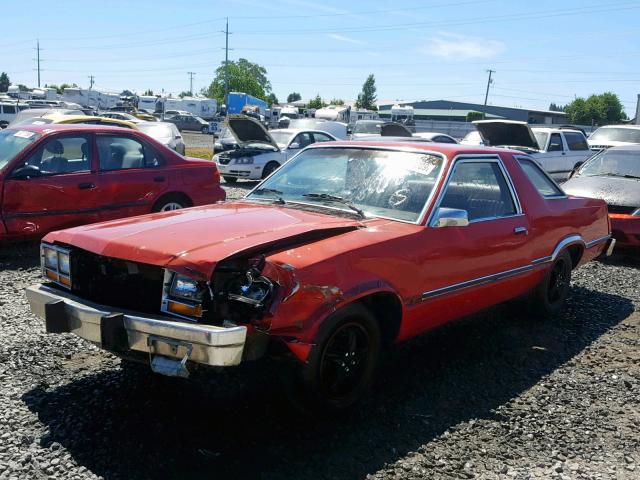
186	288
244	161
56	264
636	213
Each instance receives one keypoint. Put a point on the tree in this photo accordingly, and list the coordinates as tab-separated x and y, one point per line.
316	102
293	97
272	99
472	116
336	101
600	109
367	98
148	92
244	76
556	108
185	94
4	82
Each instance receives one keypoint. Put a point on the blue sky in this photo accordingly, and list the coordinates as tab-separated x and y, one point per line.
542	51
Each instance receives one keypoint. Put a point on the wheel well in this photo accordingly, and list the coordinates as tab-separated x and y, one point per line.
387	310
576	252
173	196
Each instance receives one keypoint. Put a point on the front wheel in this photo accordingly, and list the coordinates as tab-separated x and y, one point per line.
551	293
270	168
341	367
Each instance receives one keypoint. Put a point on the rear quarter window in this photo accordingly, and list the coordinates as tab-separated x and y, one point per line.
545	186
576	141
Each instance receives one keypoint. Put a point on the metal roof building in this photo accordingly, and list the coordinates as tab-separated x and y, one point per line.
457	111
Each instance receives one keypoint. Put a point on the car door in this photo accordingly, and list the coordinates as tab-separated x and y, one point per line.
465	268
131	175
578	149
555	159
65	194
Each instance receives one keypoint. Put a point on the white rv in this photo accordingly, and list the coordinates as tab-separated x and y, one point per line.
199	106
362	114
334	113
289	111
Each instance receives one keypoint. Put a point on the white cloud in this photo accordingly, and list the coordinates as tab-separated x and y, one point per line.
460	47
344	38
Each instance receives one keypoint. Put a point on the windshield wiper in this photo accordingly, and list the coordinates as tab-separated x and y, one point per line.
335	198
272	191
621	175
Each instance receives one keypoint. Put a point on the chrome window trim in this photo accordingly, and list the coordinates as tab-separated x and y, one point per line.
478	158
56	271
319	145
544	172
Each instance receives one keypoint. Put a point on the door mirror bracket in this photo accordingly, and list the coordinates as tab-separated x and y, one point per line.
26	172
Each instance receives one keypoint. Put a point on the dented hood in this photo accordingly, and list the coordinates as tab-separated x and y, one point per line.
194	240
500	133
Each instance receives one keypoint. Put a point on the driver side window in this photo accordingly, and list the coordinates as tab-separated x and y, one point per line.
62	155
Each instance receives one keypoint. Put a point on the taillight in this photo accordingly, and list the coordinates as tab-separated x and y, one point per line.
216	174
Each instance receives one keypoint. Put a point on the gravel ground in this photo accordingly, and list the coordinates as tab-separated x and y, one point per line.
498	395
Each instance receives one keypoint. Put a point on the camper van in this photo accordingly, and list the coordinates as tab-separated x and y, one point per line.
403	114
198	106
9	110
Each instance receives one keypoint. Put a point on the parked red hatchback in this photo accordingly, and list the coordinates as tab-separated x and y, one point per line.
59	176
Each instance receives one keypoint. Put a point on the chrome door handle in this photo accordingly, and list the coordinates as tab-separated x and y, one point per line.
519	230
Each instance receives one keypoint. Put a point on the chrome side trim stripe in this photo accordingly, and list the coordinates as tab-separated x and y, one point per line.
496	277
597	241
478	281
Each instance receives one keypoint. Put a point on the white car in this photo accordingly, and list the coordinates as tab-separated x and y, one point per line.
559	150
436	137
614	136
260	152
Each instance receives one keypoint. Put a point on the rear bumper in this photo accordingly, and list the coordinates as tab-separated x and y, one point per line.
124	332
626	229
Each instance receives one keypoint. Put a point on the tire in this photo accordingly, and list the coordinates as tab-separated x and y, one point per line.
204	130
550	295
170	203
328	382
269	168
230	179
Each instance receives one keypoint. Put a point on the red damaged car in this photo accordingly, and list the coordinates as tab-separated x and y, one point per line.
60	176
346	248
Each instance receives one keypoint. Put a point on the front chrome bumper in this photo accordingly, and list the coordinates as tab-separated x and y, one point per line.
165	340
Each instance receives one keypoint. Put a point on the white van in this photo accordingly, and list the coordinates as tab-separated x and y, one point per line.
8	112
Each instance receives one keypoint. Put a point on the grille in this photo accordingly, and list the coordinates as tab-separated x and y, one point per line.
621	209
117	283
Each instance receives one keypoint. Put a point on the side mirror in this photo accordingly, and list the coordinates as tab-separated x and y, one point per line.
450	217
349	130
294	146
25	172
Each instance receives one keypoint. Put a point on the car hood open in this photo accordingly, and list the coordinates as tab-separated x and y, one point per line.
194	240
247	130
499	133
624	192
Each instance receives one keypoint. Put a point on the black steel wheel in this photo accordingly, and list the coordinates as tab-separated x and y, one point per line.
551	293
342	365
269	169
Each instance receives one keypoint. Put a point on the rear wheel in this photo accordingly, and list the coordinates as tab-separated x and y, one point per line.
230	179
341	367
171	202
550	295
269	169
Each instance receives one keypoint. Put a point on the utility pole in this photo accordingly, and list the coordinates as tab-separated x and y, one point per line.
486	95
91	80
38	60
226	65
191	74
